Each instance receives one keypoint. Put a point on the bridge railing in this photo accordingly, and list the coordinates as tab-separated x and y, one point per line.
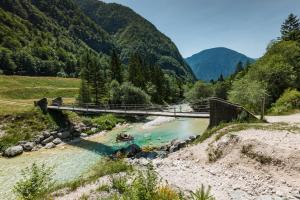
138	107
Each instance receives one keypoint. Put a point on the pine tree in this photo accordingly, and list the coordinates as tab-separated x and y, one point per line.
239	67
84	92
290	29
221	78
98	88
115	66
135	72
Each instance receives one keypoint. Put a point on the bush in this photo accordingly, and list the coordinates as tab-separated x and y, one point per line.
288	101
119	183
128	94
202	194
36	182
106	122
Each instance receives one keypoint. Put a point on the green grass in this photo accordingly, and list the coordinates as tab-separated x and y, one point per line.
17	93
100	169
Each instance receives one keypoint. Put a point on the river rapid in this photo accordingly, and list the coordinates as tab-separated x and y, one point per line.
73	159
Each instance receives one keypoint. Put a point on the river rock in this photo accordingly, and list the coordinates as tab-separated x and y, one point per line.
46	134
50	145
83	135
192	138
38	139
28	146
129	151
57	141
47	140
64	134
13	151
37	147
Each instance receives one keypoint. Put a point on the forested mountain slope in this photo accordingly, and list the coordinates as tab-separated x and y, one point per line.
211	63
46	37
133	33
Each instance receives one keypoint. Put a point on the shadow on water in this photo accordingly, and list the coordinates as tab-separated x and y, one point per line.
96	147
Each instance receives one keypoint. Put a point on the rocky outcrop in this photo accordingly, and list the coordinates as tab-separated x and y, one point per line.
13	151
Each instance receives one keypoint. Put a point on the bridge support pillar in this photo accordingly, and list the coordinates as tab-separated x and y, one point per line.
222	111
42	104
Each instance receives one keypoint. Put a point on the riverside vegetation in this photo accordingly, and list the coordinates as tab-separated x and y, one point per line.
124	182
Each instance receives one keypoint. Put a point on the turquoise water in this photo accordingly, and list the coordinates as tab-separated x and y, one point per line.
71	160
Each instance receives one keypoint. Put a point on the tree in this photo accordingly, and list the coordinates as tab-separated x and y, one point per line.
248	93
239	67
84	92
135	72
221	78
115	66
199	92
290	29
93	87
98	88
133	95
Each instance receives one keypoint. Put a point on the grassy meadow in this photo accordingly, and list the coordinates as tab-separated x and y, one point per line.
17	93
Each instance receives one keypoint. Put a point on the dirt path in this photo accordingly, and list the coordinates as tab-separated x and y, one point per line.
291	119
239	172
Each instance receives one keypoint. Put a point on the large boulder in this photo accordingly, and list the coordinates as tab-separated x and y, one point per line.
50	145
57	141
13	151
64	135
46	134
38	139
48	140
28	146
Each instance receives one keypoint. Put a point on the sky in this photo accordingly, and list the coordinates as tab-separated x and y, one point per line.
246	26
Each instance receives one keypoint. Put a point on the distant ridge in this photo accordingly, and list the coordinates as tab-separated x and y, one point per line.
211	63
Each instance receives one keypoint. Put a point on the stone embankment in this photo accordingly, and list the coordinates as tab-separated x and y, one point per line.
47	140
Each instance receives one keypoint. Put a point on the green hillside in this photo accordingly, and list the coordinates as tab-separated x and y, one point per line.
134	33
46	38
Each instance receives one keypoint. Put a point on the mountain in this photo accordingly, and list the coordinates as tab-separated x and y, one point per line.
46	37
211	63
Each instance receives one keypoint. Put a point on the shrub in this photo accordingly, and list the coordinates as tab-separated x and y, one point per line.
119	183
167	193
202	194
106	122
35	183
287	102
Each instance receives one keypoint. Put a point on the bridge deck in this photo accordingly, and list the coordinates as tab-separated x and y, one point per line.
132	112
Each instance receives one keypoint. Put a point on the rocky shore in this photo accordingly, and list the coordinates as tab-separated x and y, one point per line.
51	138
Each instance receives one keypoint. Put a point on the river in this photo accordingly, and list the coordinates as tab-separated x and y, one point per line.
71	160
